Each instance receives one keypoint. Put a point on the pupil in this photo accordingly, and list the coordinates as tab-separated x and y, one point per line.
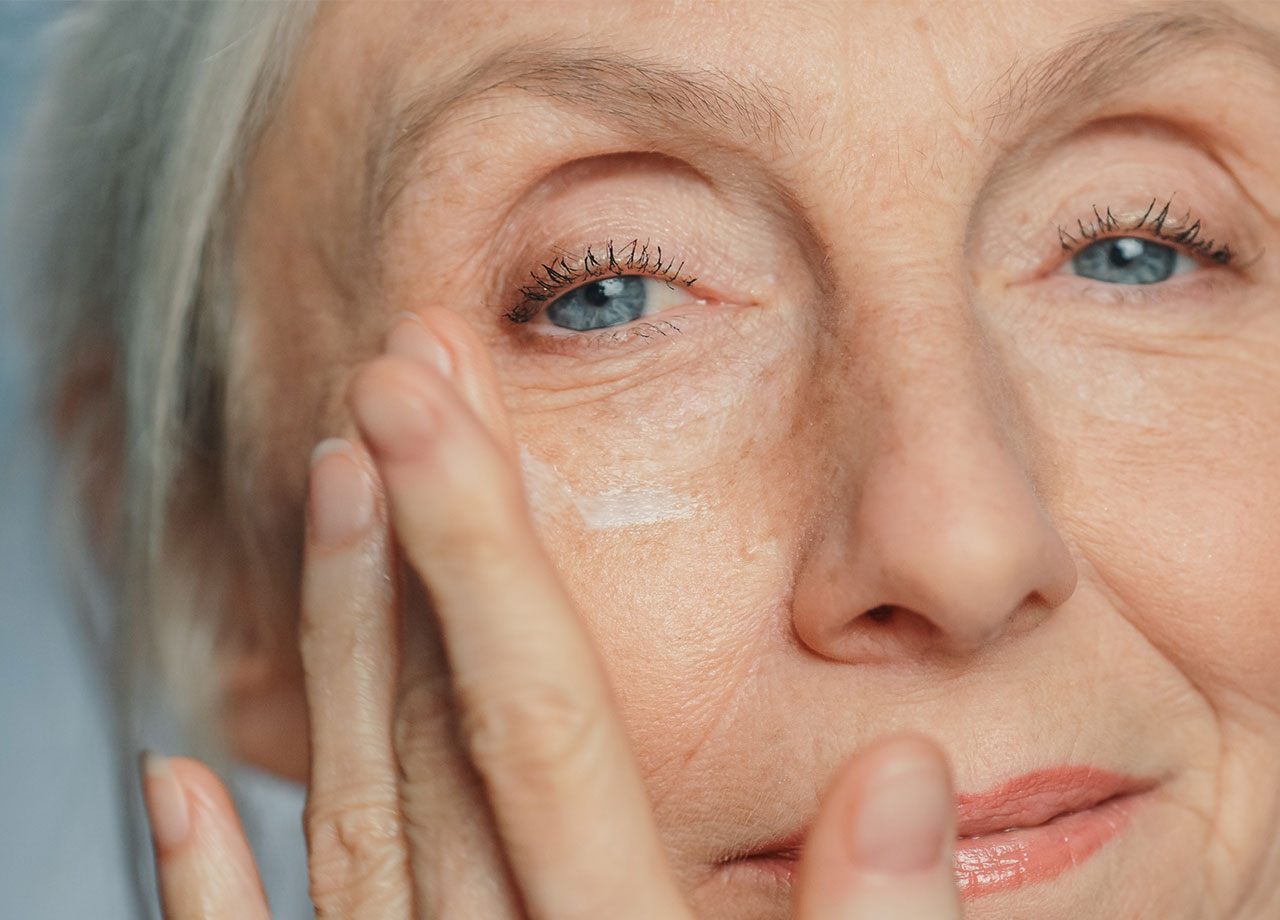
595	294
599	304
599	293
1125	250
1126	260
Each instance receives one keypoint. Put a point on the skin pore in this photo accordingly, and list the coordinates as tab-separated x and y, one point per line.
872	383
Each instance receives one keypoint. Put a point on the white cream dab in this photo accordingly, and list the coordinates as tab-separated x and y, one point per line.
622	505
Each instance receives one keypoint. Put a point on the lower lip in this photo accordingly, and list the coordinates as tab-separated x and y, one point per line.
1006	860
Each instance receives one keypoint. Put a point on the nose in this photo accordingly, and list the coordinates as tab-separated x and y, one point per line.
935	538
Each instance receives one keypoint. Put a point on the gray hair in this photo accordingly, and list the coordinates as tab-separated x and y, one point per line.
125	189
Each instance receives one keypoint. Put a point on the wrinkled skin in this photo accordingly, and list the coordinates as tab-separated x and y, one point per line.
883	389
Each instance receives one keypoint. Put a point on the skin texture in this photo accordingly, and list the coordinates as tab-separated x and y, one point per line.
502	786
884	391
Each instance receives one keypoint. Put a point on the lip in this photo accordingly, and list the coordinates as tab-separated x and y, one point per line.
1037	826
1027	830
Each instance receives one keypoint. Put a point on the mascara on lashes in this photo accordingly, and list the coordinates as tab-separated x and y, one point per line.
552	279
1153	224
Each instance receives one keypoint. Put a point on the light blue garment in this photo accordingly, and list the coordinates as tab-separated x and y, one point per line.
62	848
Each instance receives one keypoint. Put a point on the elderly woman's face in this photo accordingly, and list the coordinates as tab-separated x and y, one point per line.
873	368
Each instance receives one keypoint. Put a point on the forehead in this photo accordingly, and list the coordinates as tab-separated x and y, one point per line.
819	78
811	48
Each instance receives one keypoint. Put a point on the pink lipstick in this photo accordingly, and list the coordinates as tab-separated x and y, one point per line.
1037	826
1029	829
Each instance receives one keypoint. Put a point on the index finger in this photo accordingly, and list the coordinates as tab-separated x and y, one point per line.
537	711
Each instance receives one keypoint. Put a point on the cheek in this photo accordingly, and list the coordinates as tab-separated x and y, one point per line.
1178	506
1197	571
1185	531
670	511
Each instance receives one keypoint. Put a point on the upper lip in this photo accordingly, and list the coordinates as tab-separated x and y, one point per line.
1034	798
1024	801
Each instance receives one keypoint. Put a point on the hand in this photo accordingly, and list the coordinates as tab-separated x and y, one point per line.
471	764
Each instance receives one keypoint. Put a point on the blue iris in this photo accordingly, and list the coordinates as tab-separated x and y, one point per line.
1126	260
600	303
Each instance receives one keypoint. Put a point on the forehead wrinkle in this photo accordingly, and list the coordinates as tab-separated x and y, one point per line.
644	98
1100	62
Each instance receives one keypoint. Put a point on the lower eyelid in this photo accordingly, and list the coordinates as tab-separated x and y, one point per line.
1191	289
638	340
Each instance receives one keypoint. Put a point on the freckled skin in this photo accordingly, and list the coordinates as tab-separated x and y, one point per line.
1066	499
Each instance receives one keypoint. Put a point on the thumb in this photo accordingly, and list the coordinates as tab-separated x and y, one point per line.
203	863
881	846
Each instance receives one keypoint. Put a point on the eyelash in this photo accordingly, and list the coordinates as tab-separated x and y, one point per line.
552	279
1152	225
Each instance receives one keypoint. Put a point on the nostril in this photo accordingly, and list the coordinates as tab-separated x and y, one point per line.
881	614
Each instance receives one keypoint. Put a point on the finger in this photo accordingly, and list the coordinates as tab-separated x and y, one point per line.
370	730
204	866
472	370
459	870
881	847
349	645
457	865
537	712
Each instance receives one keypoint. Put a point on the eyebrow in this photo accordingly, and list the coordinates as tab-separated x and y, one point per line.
654	99
642	98
1100	62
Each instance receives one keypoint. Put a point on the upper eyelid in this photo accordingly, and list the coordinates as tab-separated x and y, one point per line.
1155	224
608	260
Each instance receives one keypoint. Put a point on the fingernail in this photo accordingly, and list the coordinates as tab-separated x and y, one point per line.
340	506
410	338
902	819
166	802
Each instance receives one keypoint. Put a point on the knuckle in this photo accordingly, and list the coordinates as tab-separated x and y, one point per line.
423	732
353	850
533	736
480	540
424	709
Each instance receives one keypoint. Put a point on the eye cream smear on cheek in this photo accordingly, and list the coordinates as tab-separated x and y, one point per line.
621	505
548	495
629	507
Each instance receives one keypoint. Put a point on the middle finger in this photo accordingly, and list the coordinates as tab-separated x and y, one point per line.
540	722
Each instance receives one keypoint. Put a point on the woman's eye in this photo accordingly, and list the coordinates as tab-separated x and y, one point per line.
1130	260
604	302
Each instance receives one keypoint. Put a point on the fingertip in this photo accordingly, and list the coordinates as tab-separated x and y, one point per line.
450	328
341	501
183	797
168	810
901	810
474	373
203	862
394	406
882	842
411	337
205	791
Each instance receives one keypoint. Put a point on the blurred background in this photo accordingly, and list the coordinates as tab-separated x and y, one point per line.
61	850
62	846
